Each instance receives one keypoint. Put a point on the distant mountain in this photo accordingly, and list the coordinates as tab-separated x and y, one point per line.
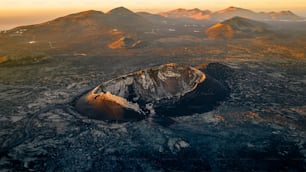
85	27
184	13
235	11
284	15
236	27
228	13
74	25
231	12
153	18
121	28
127	20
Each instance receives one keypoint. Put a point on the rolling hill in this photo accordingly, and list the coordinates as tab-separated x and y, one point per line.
128	21
231	12
236	27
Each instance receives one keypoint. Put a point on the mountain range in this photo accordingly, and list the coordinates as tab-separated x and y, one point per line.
93	28
122	28
124	20
229	13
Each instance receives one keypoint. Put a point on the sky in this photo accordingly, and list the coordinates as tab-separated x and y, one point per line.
19	12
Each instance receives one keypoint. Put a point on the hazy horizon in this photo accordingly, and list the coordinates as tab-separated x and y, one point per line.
25	15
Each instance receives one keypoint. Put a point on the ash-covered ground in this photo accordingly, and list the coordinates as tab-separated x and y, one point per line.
261	126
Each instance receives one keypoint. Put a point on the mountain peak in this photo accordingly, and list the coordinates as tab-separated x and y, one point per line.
178	10
88	12
85	13
127	20
196	9
187	13
236	27
233	9
120	11
241	22
284	15
231	12
92	14
286	12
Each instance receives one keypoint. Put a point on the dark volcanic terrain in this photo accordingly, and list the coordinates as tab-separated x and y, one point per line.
260	126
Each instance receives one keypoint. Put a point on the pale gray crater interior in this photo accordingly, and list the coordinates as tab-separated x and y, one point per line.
165	90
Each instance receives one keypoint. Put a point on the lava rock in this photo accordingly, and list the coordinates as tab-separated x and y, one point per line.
166	90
